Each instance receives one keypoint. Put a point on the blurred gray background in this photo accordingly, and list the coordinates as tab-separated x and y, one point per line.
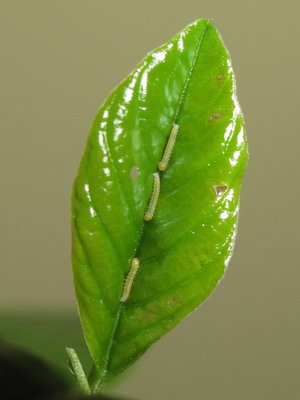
59	60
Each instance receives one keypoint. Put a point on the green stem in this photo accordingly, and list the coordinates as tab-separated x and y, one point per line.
77	370
94	379
98	380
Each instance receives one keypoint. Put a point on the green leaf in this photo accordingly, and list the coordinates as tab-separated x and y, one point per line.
36	331
25	376
184	250
78	396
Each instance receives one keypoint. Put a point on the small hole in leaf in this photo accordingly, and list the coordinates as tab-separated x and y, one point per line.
220	190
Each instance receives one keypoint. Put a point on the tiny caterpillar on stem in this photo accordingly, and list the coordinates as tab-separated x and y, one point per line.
162	165
154	197
135	263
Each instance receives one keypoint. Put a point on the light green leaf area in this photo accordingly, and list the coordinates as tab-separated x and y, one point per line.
185	248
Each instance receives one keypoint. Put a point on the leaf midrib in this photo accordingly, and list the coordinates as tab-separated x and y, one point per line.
101	381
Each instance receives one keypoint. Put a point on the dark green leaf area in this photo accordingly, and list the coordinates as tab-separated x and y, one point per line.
78	396
185	249
25	376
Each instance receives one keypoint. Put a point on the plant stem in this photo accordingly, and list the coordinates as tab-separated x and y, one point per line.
77	370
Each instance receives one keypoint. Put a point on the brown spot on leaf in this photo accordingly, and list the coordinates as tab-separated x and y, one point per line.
134	172
215	117
150	316
170	303
151	313
220	190
173	301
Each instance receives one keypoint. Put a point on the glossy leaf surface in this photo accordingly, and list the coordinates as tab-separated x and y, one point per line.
185	249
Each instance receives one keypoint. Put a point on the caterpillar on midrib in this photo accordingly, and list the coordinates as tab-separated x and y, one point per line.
135	263
162	165
154	197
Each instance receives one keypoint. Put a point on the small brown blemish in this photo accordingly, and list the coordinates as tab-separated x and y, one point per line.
215	117
134	172
220	78
151	314
220	190
170	303
173	301
150	317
